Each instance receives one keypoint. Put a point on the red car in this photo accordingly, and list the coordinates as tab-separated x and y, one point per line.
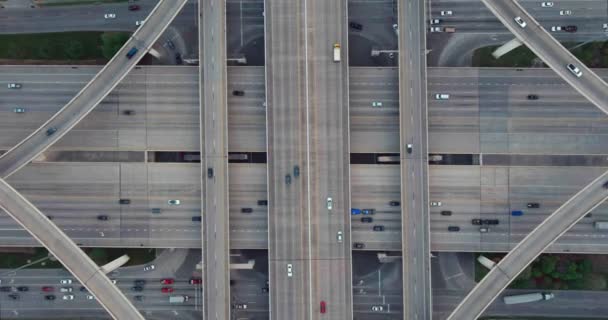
196	281
166	290
323	307
167	281
48	289
133	7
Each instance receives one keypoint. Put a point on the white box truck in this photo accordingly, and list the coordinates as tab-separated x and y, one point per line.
528	297
601	225
336	52
178	299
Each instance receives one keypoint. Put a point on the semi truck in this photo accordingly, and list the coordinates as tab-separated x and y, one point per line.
178	299
527	297
336	52
601	225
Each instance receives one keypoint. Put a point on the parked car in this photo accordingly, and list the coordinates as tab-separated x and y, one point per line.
48	289
436	29
355	25
83	289
139	298
376	104
533	205
556	28
442	96
435	21
90	297
367	219
378	228
5	289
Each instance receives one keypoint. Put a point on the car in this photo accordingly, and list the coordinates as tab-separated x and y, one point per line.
124	201
209	173
396	29
367	219
547	4
66	281
435	204
48	289
605	26
66	289
102	217
289	270
520	21
109	16
446	213
132	52
166	290
378	228
377	308
435	158
376	104
238	93
575	70
262	202
394	203
330	203
355	25
287	179
570	28
14	85
476	222
409	148
128	112
156	210
241	306
83	289
19	110
368	211
68	297
140	282
170	44
114	281
355	211
196	218
167	281
133	7
246	210
139	22
49	217
5	289
491	221
196	280
436	29
178	58
446	12
265	290
137	288
359	245
533	205
323	307
50	131
14	296
484	229
517	213
49	297
23	289
149	267
453	228
565	12
435	21
532	97
296	171
605	185
339	237
90	297
556	28
139	298
174	202
442	96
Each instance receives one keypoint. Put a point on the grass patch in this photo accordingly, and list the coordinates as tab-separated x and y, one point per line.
593	55
520	57
70	46
76	2
17	259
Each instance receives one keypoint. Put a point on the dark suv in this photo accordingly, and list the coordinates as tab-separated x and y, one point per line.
355	25
491	221
453	228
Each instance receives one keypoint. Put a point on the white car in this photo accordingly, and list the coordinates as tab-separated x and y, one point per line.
289	270
376	104
66	289
113	281
174	202
565	12
436	29
435	203
547	4
90	297
377	308
556	28
575	70
14	85
435	21
66	281
68	297
605	26
446	13
139	23
520	22
484	229
149	268
109	16
330	203
442	96
339	237
396	29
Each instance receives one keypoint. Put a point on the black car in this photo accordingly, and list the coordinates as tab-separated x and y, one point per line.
5	289
133	7
137	288
209	173
476	222
128	112
262	202
49	217
265	290
139	298
23	289
394	203
50	131
367	219
359	245
533	205
14	296
532	97
588	215
49	297
140	282
296	171
196	218
246	210
453	228
287	179
156	210
124	201
178	58
238	93
569	28
446	213
83	289
102	217
491	221
378	228
605	185
355	25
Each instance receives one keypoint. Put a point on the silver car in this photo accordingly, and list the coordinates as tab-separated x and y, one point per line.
289	270
330	203
340	237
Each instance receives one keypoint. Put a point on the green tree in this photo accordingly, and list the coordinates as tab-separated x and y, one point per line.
585	266
44	49
74	50
548	263
594	281
112	42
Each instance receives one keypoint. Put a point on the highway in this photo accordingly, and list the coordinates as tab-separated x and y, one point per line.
288	137
213	111
413	148
480	297
67	252
329	159
95	91
551	51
